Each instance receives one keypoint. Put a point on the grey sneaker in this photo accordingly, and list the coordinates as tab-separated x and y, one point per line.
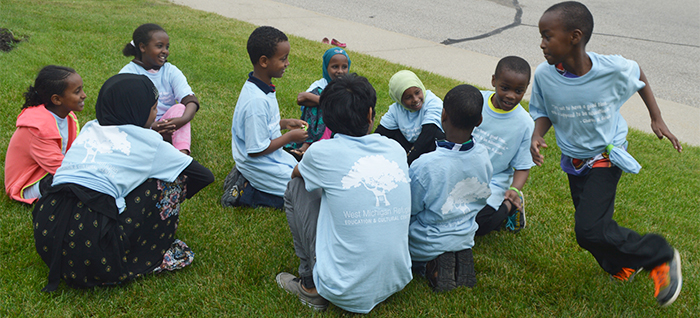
464	268
440	272
292	285
668	280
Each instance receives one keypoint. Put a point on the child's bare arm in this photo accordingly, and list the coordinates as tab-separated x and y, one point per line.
295	135
296	173
170	125
308	99
542	125
658	126
519	179
292	123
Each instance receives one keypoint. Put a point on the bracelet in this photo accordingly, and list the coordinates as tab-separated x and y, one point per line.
520	193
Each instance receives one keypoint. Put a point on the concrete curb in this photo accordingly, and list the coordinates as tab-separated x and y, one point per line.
475	69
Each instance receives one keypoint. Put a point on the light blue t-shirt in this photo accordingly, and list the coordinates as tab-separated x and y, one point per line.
507	137
585	111
114	160
362	231
256	122
411	123
448	188
171	84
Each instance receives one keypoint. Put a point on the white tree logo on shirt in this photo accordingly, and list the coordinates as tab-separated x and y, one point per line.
104	140
376	174
465	192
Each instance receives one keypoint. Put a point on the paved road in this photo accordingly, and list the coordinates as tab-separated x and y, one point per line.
662	36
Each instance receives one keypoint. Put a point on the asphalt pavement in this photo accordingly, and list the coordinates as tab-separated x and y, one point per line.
465	39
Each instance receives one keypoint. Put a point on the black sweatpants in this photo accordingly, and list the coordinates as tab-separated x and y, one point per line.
613	246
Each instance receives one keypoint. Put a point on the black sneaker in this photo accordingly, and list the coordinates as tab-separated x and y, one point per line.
440	272
464	268
233	186
292	285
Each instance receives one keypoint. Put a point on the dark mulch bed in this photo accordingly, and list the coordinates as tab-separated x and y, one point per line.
7	40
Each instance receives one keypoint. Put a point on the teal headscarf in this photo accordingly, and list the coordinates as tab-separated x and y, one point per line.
327	59
400	82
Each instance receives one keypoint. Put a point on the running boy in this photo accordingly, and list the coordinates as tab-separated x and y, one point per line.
256	138
358	255
506	131
580	93
448	187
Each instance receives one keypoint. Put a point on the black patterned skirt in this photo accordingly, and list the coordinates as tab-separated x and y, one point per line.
84	240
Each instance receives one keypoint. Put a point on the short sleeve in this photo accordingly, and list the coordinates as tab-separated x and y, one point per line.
309	168
178	81
255	126
171	164
389	120
417	189
523	158
537	107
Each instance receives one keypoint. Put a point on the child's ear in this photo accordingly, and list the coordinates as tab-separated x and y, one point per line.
142	48
576	36
493	80
263	60
56	99
443	117
481	118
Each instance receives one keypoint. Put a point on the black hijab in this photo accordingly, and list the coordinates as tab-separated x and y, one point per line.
125	99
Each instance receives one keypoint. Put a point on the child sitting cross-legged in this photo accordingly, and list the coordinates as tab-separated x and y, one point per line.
336	62
448	188
414	119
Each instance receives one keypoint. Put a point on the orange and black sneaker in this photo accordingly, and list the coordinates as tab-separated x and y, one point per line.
668	280
626	274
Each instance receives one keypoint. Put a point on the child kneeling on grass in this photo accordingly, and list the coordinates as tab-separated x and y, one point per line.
580	93
506	132
265	168
358	255
448	188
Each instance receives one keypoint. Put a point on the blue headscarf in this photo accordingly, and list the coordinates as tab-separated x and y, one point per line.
327	59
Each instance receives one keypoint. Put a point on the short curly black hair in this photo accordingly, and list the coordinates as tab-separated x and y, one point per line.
513	63
263	41
575	15
345	103
463	106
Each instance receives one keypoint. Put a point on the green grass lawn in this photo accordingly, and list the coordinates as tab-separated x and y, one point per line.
539	272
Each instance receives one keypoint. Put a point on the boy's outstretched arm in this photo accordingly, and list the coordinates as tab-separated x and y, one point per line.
658	126
295	135
542	125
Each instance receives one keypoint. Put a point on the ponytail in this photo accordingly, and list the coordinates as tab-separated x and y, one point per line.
50	80
142	34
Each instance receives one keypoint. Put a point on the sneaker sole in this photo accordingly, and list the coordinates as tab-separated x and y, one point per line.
313	306
465	275
445	279
676	258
